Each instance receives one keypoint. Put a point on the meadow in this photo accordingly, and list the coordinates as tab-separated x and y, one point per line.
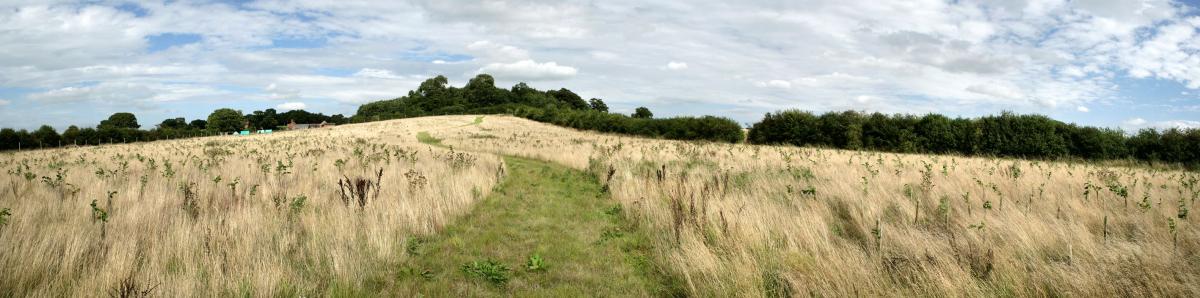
265	215
286	214
790	221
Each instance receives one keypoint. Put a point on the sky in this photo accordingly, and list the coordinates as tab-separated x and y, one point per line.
1119	64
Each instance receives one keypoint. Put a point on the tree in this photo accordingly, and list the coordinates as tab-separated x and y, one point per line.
173	123
338	119
598	105
8	139
25	140
642	113
70	135
568	98
481	91
46	136
225	120
121	120
198	124
936	134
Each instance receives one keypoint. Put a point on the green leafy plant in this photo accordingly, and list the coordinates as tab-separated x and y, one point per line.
615	210
1183	210
535	263
191	204
297	204
98	214
1174	232
978	227
412	245
4	215
489	270
1145	203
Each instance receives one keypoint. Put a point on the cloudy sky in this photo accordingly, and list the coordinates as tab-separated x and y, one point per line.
1125	64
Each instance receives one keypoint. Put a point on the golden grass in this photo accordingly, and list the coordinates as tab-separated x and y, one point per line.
744	220
727	220
256	237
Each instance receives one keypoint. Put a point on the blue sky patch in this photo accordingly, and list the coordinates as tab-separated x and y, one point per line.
137	10
167	40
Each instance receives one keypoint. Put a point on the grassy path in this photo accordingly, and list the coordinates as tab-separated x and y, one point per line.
547	230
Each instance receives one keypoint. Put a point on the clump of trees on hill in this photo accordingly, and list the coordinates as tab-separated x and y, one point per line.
123	127
1007	134
561	107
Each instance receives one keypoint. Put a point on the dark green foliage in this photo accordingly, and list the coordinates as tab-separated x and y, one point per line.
568	98
45	136
226	120
1007	134
489	270
8	139
271	119
198	124
120	120
6	213
707	128
175	123
642	113
789	127
598	105
1021	136
562	107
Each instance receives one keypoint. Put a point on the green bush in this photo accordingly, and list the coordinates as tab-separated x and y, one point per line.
560	107
489	270
1007	134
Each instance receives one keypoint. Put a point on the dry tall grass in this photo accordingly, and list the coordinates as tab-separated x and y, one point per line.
728	220
742	220
260	215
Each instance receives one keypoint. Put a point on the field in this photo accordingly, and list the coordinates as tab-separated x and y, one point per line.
265	215
260	215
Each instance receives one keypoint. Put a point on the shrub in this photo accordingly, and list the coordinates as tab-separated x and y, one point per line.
489	270
1007	134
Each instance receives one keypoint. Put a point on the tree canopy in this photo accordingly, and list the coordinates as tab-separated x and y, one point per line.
562	107
120	120
226	120
1007	134
642	113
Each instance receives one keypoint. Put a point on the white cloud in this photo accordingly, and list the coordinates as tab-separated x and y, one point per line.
287	106
1139	123
376	73
497	51
529	70
604	55
1000	90
1181	124
5	102
1082	109
125	92
957	57
775	84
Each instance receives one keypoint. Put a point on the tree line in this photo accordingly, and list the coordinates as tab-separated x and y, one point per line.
562	107
1006	135
123	127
